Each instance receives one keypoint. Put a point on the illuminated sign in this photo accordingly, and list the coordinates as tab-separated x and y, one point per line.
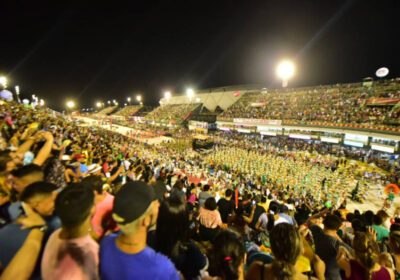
382	148
330	140
268	133
356	137
300	136
353	143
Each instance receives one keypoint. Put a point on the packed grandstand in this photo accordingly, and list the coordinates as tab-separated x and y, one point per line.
305	180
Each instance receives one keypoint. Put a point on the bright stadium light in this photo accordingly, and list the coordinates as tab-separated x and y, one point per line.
109	102
41	103
98	104
167	95
3	81
190	93
139	98
70	104
128	99
198	100
285	71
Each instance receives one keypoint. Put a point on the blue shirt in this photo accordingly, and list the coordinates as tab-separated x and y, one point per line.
12	237
83	168
147	264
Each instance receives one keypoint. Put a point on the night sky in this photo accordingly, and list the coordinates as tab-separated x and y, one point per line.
91	52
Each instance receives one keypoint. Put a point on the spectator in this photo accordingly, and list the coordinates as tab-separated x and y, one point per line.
204	195
38	197
327	244
70	252
125	255
285	254
366	263
381	231
226	206
103	206
210	220
227	256
173	241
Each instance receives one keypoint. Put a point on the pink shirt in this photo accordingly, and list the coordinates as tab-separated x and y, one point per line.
209	219
65	259
100	210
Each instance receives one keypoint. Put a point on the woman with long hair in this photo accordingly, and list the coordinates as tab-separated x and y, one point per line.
286	246
227	257
173	241
366	263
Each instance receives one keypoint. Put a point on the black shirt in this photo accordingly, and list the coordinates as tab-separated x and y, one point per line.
225	208
257	213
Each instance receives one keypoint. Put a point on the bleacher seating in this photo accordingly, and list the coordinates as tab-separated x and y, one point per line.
172	113
337	105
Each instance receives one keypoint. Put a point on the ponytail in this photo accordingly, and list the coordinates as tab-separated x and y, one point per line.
366	251
282	270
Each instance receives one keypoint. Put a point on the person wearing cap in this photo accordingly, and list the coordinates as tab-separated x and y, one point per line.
81	158
126	255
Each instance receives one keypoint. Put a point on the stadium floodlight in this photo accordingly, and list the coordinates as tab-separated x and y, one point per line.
167	95
17	90
190	93
128	99
285	71
3	81
98	104
198	99
109	102
41	103
139	98
70	104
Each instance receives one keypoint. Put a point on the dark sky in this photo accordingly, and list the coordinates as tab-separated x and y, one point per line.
92	52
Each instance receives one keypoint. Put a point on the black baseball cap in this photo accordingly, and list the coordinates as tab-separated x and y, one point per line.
132	201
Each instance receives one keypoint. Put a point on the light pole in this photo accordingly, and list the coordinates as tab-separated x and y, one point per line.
139	99
129	100
3	82
70	105
190	94
285	71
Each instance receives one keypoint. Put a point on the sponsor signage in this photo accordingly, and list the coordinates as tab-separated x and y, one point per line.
300	136
382	148
269	133
330	140
356	137
353	143
258	121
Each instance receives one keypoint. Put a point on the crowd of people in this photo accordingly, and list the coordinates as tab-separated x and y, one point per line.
341	104
88	203
171	113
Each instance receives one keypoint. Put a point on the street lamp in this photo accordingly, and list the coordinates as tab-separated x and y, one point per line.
285	71
98	104
3	81
190	93
167	95
70	104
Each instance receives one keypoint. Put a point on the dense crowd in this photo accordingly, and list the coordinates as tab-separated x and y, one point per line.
129	110
87	203
171	113
341	104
